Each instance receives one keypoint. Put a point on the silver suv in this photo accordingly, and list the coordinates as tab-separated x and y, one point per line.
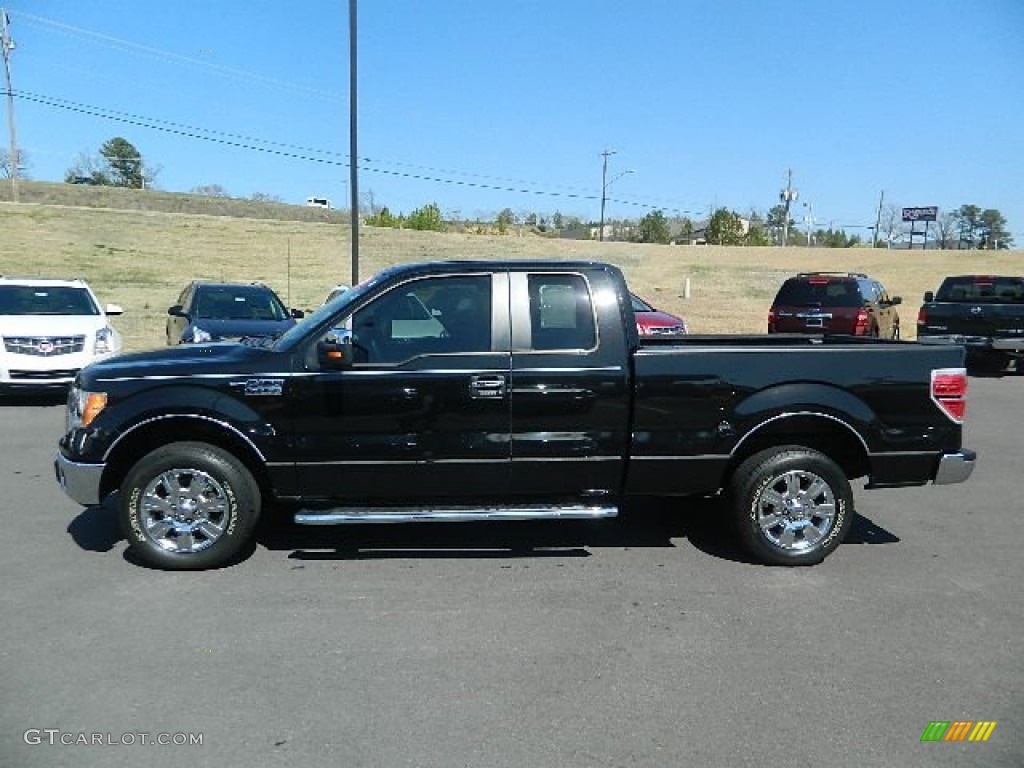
49	330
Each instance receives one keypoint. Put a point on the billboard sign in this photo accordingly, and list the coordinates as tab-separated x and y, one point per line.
928	213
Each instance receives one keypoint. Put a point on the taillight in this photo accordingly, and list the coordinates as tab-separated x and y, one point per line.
861	326
949	391
771	319
922	316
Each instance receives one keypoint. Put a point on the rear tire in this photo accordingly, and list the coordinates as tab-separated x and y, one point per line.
188	506
791	505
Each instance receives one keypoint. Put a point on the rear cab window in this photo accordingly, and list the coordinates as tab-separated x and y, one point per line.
975	289
561	312
819	292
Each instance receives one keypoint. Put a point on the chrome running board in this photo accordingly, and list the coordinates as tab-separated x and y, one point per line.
349	515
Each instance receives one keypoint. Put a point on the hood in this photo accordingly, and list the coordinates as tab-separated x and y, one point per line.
657	319
234	329
221	357
50	325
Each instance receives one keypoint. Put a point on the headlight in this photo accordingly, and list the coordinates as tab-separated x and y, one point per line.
199	336
84	406
104	341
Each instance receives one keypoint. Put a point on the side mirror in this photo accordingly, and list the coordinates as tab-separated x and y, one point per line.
929	297
897	300
176	311
113	309
298	314
335	351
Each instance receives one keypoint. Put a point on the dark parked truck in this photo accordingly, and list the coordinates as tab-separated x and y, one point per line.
984	313
465	391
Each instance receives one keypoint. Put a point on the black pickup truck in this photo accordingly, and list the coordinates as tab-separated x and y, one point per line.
984	313
483	390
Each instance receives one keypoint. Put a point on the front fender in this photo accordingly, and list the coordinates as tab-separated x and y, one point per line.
126	415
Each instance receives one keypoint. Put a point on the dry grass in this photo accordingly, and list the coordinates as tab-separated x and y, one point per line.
142	259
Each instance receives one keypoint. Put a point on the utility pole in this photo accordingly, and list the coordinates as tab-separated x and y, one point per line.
878	218
787	196
7	45
352	140
604	190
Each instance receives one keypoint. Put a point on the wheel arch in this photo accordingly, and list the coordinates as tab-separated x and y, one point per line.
826	433
158	431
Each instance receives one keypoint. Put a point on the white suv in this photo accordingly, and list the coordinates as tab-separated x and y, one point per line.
49	330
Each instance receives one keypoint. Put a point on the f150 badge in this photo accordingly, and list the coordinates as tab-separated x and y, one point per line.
262	386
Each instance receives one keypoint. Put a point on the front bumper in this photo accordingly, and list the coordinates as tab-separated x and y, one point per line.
80	481
955	467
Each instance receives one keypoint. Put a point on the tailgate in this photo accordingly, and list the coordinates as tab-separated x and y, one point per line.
992	320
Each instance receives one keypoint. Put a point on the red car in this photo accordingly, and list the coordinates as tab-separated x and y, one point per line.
653	323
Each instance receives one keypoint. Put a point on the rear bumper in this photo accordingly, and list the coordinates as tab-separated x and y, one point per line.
976	342
955	467
80	481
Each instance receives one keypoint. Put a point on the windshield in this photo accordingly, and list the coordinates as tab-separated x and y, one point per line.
975	289
335	306
243	302
639	305
48	300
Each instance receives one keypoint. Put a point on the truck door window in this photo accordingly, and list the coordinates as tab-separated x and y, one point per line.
561	312
438	315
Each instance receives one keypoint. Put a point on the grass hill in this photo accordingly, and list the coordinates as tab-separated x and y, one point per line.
139	249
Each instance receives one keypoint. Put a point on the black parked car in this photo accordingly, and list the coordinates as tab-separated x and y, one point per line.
209	311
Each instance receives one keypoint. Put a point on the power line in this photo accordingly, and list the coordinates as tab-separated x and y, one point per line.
234	73
240	141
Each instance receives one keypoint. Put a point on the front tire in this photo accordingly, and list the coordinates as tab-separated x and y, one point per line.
792	505
188	506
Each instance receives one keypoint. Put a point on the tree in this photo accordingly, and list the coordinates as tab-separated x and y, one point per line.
992	226
558	220
384	218
124	161
891	225
945	230
777	221
87	169
119	164
968	219
724	228
506	219
210	190
7	168
426	218
653	228
264	197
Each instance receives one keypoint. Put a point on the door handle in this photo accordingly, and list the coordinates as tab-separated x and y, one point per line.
487	387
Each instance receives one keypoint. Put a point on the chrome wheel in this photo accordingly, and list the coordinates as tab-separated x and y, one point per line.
795	510
184	510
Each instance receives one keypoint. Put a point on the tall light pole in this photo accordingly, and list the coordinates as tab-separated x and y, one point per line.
787	196
604	188
6	46
352	142
809	220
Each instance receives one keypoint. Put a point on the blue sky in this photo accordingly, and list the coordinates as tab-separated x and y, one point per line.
707	103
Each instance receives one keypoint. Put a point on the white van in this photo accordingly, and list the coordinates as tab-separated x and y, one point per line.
318	202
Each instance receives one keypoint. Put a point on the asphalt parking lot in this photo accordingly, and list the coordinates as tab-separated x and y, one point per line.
644	641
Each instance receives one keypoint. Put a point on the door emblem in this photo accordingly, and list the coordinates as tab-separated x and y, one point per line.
264	386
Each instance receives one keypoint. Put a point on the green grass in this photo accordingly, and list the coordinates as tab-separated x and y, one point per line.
141	259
